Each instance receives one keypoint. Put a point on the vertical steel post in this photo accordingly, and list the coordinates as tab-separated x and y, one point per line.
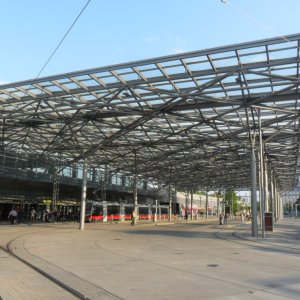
170	203
104	184
272	198
261	197
192	198
266	185
206	205
83	195
231	209
186	205
253	191
218	204
155	215
135	194
55	190
103	192
275	200
280	206
170	196
263	183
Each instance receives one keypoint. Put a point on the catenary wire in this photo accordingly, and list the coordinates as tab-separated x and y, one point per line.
254	19
64	37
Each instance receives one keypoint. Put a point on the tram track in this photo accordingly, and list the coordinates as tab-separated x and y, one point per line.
181	270
9	250
238	239
19	240
44	274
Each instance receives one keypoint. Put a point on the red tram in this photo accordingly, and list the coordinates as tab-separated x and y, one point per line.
97	211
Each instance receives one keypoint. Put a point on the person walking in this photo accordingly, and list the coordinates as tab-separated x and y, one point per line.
12	216
133	217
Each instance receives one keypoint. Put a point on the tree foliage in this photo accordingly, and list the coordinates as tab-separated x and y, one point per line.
231	199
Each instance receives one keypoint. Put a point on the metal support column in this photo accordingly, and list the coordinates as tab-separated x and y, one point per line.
55	190
170	203
104	181
135	193
155	214
277	203
192	192
186	205
266	184
231	206
206	206
272	198
275	200
261	194
262	178
218	204
83	195
280	206
170	195
253	192
104	184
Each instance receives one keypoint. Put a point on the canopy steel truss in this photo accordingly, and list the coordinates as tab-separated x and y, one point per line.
194	113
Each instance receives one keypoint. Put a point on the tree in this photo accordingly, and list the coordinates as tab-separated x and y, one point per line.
231	200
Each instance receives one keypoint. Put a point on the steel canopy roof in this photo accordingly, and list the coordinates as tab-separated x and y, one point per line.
187	119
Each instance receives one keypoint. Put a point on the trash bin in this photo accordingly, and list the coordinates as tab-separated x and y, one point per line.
268	221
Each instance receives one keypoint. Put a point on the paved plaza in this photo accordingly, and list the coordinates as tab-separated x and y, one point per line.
194	260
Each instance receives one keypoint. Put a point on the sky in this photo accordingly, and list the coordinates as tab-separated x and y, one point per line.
119	31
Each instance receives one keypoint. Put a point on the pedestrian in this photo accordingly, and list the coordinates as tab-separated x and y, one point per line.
186	215
33	215
38	215
133	217
77	216
221	218
47	214
12	216
58	214
225	218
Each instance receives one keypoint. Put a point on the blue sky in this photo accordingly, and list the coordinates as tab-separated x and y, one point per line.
117	31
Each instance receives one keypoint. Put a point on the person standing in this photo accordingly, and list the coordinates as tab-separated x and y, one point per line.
225	218
221	218
33	215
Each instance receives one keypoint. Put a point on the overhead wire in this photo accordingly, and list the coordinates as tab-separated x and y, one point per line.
253	18
63	38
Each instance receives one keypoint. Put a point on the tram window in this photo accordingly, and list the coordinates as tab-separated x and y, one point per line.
128	210
98	210
113	210
143	210
164	210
